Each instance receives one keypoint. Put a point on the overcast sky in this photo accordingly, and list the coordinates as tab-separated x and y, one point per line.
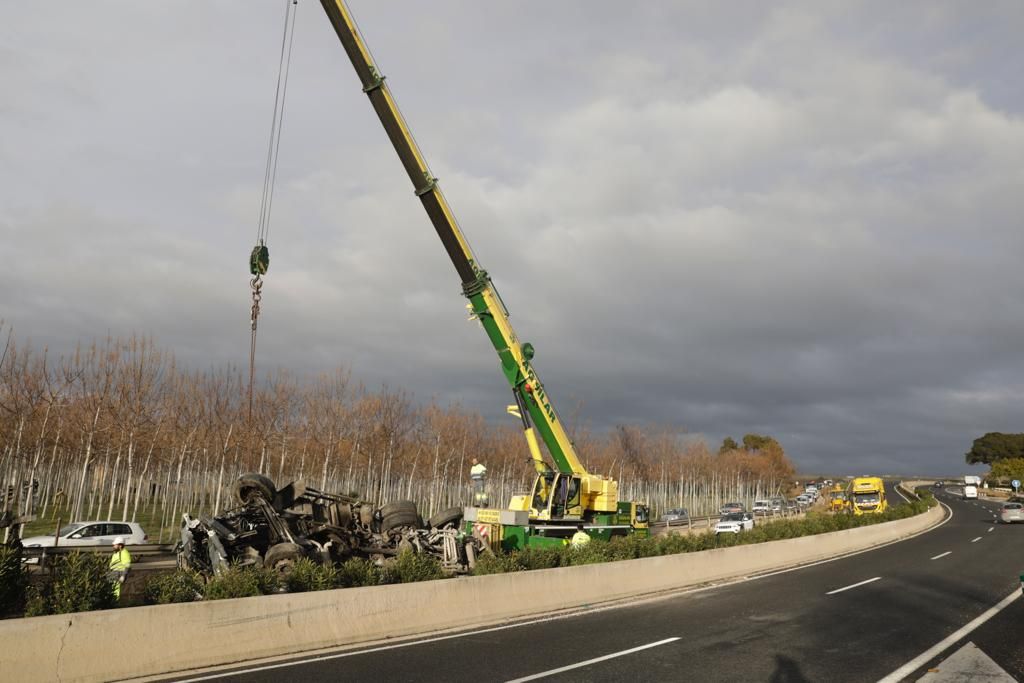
799	219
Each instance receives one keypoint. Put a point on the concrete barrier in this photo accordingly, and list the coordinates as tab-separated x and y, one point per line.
116	644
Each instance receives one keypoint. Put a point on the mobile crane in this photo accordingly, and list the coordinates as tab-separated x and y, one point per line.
563	497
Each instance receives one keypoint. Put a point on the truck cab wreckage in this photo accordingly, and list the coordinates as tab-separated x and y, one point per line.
276	527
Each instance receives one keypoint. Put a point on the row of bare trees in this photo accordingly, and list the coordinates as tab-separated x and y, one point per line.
117	430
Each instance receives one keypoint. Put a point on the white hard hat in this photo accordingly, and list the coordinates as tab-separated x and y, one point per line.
119	540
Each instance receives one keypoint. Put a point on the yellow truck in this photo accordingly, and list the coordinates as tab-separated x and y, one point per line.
838	500
867	496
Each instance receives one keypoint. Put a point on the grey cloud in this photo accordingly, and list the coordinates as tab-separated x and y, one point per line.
800	220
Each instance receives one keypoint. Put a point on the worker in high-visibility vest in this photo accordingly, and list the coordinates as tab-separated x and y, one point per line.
580	538
120	563
478	475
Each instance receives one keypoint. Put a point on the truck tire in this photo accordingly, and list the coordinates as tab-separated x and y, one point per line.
451	516
252	484
399	513
282	557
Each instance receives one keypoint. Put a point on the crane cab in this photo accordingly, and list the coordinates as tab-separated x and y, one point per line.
557	496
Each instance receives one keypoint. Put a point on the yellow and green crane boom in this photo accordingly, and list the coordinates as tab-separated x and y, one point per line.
568	493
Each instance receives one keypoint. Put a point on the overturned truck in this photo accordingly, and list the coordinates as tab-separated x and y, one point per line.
276	527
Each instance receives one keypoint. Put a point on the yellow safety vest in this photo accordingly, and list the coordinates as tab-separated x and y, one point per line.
477	471
121	560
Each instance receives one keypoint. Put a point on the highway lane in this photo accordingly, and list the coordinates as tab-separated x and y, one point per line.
783	627
1002	637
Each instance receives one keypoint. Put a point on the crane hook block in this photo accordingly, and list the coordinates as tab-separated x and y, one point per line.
259	260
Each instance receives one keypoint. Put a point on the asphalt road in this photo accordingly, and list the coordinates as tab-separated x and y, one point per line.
858	618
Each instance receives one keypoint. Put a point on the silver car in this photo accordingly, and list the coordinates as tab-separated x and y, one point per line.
1011	512
675	516
90	533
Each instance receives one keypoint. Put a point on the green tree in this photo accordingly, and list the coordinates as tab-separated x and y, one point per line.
995	446
1008	469
728	444
758	442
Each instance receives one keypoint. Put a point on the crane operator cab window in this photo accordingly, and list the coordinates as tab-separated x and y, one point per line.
542	492
556	496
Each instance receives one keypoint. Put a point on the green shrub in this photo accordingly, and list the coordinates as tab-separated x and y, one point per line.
357	572
243	582
410	567
307	575
498	563
631	548
13	581
181	585
77	583
591	553
540	558
672	544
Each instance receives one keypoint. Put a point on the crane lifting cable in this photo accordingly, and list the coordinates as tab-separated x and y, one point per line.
259	257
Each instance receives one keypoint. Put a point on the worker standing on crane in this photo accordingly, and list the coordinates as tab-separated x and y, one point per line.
478	475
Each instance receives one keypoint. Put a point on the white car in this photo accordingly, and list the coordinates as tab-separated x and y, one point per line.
90	533
762	507
1011	512
970	492
804	500
734	523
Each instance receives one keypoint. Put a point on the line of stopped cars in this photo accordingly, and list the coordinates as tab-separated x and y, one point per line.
734	517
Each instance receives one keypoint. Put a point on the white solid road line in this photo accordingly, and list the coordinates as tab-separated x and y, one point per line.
846	588
976	539
595	660
926	656
948	552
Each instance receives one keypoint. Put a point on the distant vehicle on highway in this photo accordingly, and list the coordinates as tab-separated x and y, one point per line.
970	492
734	523
675	516
1011	512
90	533
729	508
804	500
939	484
762	507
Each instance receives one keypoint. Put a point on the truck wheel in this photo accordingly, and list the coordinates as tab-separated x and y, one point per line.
282	557
252	484
451	516
399	513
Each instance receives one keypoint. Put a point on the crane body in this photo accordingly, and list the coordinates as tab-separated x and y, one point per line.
567	494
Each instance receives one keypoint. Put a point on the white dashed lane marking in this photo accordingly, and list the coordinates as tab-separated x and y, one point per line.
846	588
975	540
948	552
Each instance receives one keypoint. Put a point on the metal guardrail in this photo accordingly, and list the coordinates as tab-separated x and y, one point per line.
144	554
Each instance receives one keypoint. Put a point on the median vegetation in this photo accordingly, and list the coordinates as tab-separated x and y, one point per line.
631	547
